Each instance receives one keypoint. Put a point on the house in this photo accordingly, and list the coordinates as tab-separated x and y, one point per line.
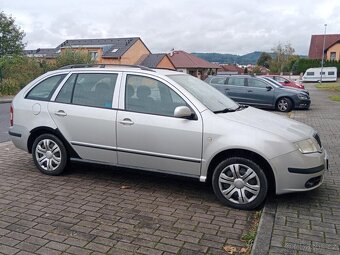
230	69
103	51
332	47
160	60
110	50
189	63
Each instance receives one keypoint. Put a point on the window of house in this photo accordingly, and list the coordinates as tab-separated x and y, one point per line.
147	95
218	80
310	73
236	81
94	55
114	50
45	89
333	56
94	90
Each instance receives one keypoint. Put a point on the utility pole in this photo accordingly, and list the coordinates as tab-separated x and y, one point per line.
323	52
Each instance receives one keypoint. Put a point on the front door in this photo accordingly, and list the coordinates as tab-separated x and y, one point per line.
83	112
258	94
148	134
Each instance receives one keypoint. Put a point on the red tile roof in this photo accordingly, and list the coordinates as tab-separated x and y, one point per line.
231	68
316	44
182	59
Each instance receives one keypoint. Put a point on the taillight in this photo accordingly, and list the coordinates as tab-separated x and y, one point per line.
11	116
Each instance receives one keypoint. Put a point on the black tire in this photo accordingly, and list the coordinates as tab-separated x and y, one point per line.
245	164
55	167
284	104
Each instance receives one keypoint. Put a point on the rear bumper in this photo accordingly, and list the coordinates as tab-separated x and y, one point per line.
296	172
19	136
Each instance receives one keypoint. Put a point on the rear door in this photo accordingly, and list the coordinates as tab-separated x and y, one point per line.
84	111
235	89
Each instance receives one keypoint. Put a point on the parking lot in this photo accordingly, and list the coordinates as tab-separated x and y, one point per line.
103	210
309	223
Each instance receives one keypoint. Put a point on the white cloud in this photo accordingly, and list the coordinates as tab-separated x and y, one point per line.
202	26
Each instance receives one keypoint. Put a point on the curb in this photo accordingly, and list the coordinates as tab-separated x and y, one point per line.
265	230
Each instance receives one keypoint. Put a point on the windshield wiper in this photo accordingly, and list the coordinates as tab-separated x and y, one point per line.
226	110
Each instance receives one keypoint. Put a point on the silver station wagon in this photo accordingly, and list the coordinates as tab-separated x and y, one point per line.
168	122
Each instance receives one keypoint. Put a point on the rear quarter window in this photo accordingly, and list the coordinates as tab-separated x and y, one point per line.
44	90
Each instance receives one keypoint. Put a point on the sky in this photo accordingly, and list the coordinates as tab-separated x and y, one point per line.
222	26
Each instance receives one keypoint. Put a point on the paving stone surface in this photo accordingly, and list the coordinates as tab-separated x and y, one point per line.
104	210
309	223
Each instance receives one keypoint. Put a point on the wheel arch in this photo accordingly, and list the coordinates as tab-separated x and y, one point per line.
47	130
289	97
257	158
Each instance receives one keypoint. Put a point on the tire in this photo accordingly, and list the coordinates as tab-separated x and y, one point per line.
284	104
242	181
49	154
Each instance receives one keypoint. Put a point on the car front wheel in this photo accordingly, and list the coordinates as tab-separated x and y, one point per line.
240	183
284	104
49	154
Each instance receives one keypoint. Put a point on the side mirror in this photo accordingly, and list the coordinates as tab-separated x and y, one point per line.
183	112
286	81
269	88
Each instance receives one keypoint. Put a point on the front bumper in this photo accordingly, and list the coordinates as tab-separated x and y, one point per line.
296	172
302	104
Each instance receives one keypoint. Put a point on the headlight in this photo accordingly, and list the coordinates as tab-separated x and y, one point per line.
308	146
302	97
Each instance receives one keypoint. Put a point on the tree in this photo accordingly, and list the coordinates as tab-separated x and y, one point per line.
264	60
70	57
11	36
284	55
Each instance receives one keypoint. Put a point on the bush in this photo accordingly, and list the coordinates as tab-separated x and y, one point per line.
9	87
70	57
303	64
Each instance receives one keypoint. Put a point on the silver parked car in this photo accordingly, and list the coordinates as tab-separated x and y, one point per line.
168	122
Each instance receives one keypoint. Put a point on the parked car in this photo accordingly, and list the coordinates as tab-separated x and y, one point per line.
164	121
259	92
286	82
314	74
280	85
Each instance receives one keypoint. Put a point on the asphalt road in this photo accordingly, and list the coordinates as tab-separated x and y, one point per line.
4	122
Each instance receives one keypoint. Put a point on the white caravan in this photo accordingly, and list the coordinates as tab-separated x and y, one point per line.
314	74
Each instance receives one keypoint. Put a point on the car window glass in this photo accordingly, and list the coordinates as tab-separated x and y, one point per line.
65	94
236	81
256	83
45	89
218	80
279	79
94	90
147	95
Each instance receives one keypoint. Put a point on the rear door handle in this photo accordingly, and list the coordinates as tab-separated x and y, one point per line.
126	121
60	113
227	89
250	91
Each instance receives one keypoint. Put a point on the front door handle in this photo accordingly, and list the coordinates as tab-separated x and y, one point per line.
227	89
126	121
250	91
60	113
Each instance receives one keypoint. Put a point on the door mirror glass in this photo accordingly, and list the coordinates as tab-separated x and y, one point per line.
183	112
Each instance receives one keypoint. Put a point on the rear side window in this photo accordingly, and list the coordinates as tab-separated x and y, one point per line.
218	80
45	89
88	90
236	81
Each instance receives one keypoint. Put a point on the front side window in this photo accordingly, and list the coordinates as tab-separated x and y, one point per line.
280	79
147	95
45	89
236	81
94	90
257	83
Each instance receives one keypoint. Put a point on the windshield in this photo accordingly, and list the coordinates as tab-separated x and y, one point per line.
273	82
206	94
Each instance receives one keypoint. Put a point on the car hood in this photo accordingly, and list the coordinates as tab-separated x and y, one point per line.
296	90
279	125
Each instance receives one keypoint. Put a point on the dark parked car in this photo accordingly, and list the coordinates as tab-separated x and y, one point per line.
259	92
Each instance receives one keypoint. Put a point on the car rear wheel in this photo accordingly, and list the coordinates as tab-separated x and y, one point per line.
284	104
49	154
240	183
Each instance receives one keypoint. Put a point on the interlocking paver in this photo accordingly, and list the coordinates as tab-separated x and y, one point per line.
109	210
306	223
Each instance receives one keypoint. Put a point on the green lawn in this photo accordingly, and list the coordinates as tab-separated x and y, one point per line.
334	88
